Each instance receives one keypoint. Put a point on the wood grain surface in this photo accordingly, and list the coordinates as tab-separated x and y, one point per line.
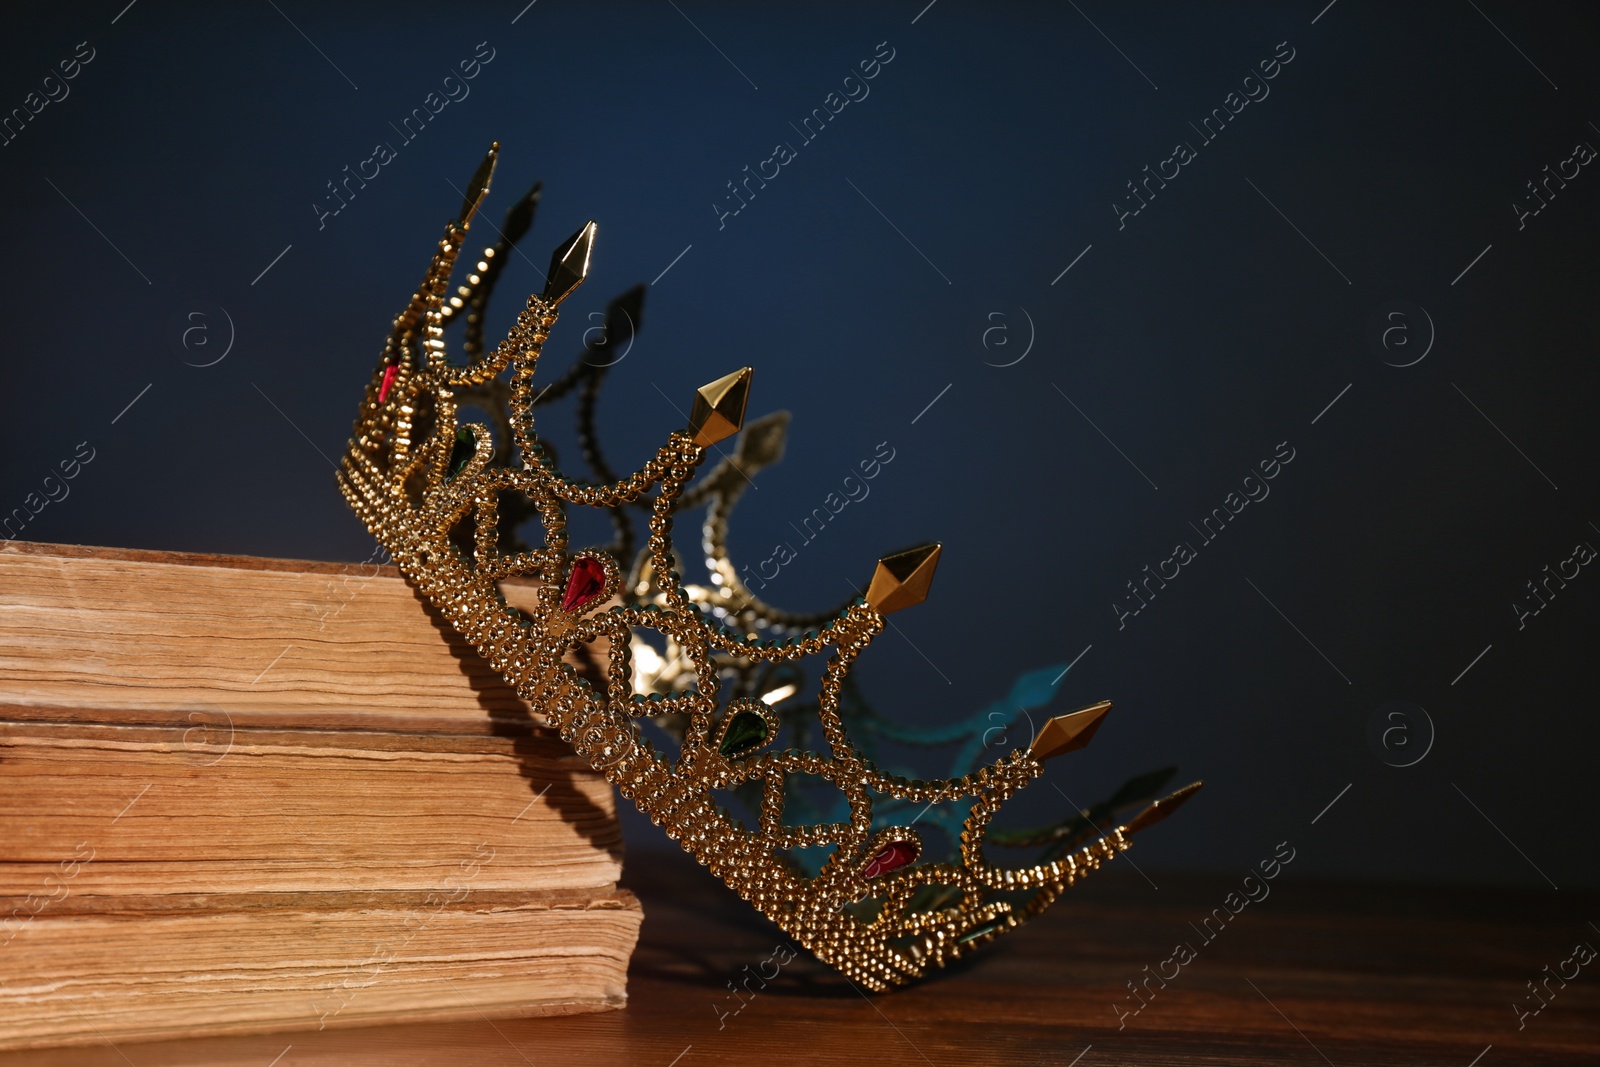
1318	973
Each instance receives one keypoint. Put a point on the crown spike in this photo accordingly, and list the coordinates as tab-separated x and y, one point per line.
901	580
623	316
569	266
761	444
719	408
478	188
1069	732
519	220
1160	809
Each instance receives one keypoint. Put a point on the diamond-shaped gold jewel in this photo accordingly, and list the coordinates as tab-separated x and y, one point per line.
902	580
569	266
719	408
1069	732
478	188
1162	808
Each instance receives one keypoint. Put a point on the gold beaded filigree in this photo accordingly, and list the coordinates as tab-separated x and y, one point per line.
427	488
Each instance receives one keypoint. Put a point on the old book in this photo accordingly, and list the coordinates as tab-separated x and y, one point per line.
242	794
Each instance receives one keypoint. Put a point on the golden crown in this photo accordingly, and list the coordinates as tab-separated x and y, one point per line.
445	498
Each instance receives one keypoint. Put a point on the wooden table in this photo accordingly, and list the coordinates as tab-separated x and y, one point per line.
1342	973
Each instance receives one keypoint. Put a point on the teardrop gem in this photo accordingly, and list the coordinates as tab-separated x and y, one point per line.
587	581
890	857
462	451
389	374
747	730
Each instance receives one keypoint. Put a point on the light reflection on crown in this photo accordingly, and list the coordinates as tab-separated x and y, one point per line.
447	498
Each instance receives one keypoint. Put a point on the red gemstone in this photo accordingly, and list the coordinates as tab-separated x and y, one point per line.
587	582
894	855
389	373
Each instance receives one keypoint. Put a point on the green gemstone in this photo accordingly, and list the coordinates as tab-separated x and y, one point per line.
747	730
462	451
980	931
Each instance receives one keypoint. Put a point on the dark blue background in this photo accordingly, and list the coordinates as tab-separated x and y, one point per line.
1196	338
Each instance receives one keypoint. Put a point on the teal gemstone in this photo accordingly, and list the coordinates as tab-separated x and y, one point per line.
747	731
462	451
